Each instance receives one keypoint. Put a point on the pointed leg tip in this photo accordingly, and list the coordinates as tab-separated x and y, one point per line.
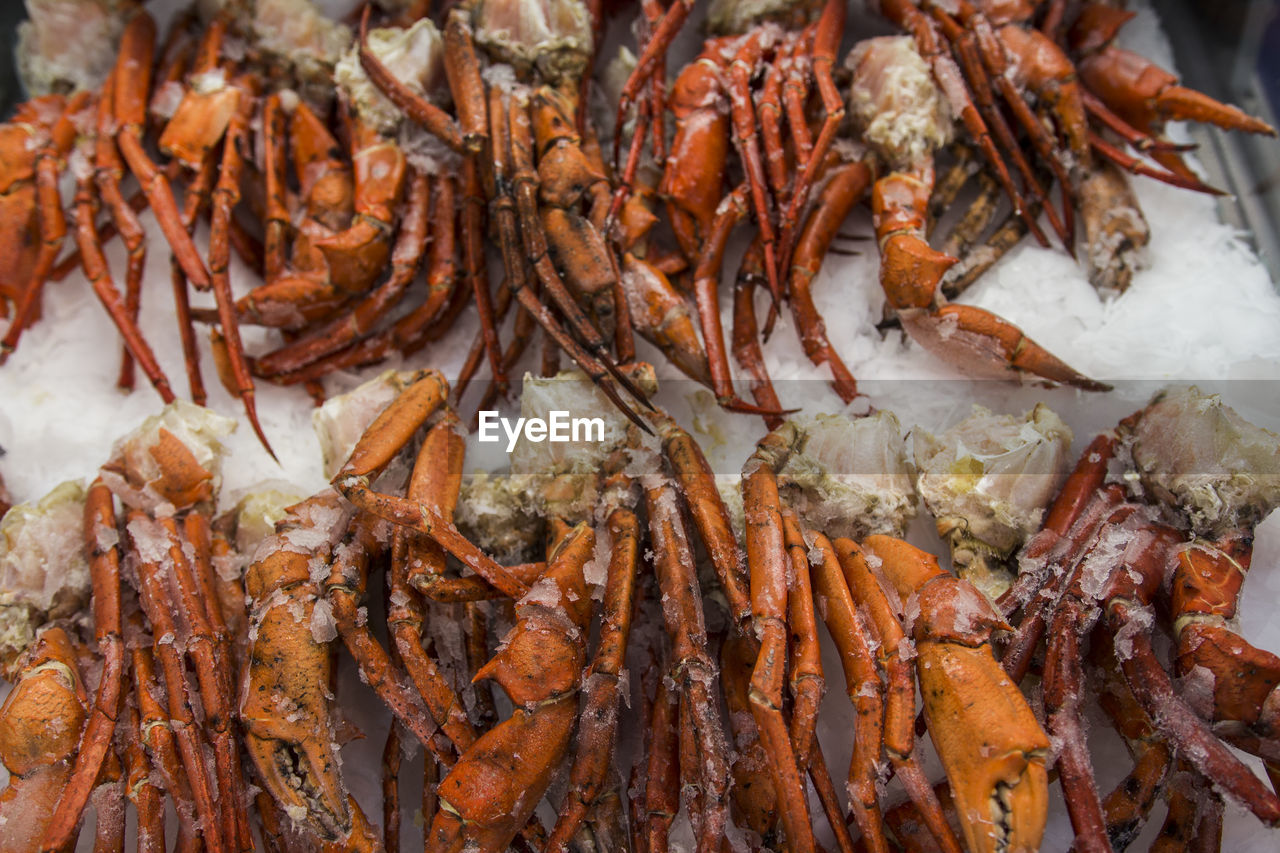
251	412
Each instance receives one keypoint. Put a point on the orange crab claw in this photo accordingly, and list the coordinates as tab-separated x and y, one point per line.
986	345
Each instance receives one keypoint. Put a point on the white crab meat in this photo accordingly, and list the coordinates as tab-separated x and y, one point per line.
851	477
43	570
987	480
68	45
1199	456
895	103
414	56
553	36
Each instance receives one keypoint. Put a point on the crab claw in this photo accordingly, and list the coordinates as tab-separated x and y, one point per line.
990	743
495	786
288	729
983	344
357	255
910	270
662	317
1143	93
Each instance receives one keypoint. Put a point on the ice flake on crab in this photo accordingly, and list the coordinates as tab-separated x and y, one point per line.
43	571
851	477
1198	455
553	36
894	101
341	421
68	45
172	461
987	481
415	56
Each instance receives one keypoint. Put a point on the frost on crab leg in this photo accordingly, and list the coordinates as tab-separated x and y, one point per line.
694	674
285	709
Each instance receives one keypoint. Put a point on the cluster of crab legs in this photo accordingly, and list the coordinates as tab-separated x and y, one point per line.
345	217
243	625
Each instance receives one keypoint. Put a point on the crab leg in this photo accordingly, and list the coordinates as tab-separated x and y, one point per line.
202	648
146	796
1073	617
862	684
697	486
650	59
806	676
525	185
899	708
1127	806
984	60
931	44
526	748
462	68
846	185
343	589
108	172
827	33
436	121
132	82
691	669
199	193
598	727
706	286
380	443
746	334
95	741
602	372
160	613
95	269
1128	594
157	734
226	195
338	333
767	561
436	479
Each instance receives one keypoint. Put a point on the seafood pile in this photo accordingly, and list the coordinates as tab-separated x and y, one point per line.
188	657
194	665
339	160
